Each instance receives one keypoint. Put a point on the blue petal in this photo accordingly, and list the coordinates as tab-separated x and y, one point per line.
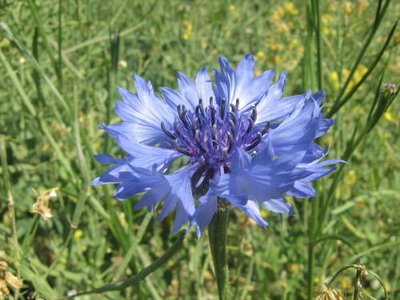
241	83
273	108
302	190
204	85
205	212
241	160
181	217
108	159
174	98
142	156
319	97
279	206
188	90
252	209
293	137
179	197
309	172
323	126
112	175
144	112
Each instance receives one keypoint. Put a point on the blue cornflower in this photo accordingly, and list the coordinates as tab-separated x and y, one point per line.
237	139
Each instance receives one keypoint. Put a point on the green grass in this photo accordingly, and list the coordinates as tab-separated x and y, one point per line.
61	63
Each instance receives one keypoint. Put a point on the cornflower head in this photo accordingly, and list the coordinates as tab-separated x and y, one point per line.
238	139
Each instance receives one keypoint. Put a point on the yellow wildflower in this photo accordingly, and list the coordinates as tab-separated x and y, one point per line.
187	30
362	6
359	73
325	30
122	64
351	177
346	283
389	116
333	79
348	8
276	59
187	36
188	25
78	235
294	43
275	47
260	55
290	8
232	7
326	19
282	27
280	12
294	268
264	213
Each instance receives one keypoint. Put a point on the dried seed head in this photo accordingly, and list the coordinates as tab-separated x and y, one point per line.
4	291
3	266
389	88
41	206
325	292
13	281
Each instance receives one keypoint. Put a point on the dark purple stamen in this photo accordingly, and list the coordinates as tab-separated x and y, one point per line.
253	115
209	136
255	142
166	131
222	108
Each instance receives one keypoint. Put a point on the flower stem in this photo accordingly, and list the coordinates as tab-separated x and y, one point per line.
217	236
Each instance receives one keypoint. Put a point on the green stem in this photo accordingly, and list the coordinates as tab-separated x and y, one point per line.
357	284
217	236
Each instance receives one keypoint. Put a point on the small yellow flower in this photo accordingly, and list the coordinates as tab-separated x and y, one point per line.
346	283
294	43
187	36
232	7
351	177
348	8
280	12
362	6
276	59
345	73
122	64
359	73
325	30
290	8
264	213
283	27
187	30
397	40
46	147
260	55
78	235
275	47
294	268
188	25
333	79
326	19
389	116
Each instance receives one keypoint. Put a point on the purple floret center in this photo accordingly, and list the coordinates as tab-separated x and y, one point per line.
210	135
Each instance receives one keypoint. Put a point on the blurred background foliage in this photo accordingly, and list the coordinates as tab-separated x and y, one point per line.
61	63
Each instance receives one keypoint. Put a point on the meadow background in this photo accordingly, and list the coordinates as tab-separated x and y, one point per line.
61	63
